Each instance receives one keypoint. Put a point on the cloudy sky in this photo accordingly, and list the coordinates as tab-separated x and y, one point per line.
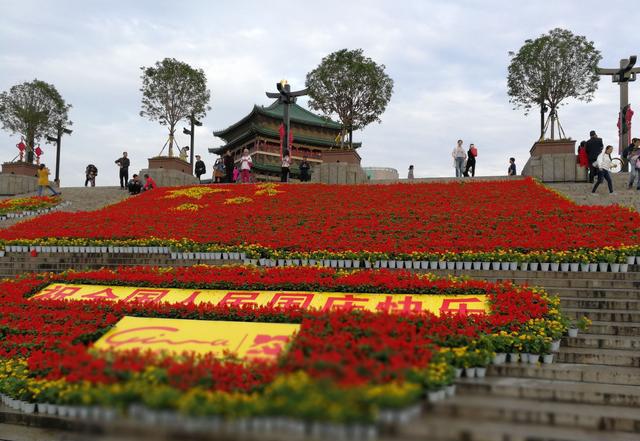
448	60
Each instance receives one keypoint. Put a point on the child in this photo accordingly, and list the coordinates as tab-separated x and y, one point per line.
245	166
512	167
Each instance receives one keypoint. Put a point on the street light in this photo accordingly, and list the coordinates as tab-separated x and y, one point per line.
58	140
191	133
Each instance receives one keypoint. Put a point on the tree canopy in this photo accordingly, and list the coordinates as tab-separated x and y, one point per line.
553	67
33	110
172	91
350	86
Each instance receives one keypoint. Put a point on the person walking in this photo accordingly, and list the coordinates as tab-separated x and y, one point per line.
123	163
594	148
305	168
604	166
630	154
43	181
199	168
410	174
285	168
90	172
459	156
511	171
471	161
245	166
229	164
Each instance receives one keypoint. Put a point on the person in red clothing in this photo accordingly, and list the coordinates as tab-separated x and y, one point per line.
583	158
149	183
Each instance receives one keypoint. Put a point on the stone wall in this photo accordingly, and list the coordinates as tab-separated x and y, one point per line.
168	178
17	184
338	173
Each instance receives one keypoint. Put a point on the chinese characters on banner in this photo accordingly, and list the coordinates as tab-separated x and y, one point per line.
324	301
246	340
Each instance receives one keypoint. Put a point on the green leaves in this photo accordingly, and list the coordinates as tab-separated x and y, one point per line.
33	110
351	86
551	68
173	90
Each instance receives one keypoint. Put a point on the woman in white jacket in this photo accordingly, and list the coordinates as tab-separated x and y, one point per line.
604	165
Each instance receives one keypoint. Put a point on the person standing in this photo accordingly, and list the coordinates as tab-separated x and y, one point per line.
199	168
218	170
305	167
471	161
91	172
583	159
123	163
459	155
229	163
511	171
594	148
410	174
630	154
286	165
604	165
43	181
245	166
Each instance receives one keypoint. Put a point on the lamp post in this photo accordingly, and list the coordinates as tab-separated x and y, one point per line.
191	133
286	97
58	140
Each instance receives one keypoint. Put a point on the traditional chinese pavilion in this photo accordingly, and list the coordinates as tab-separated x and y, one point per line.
314	137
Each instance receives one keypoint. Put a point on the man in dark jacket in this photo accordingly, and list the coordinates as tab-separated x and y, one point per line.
594	148
123	163
200	168
228	166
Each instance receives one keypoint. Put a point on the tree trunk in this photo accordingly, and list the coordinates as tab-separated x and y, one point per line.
30	141
553	122
171	140
350	136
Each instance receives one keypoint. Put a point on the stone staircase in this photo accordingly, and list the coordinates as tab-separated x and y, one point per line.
590	392
580	192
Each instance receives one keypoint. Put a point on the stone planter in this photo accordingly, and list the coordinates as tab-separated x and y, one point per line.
533	358
442	264
470	372
524	266
584	267
615	267
564	267
486	266
451	265
544	266
424	265
514	357
555	346
458	372
392	264
555	266
459	265
593	267
513	266
504	266
481	372
631	260
533	266
575	267
547	358
603	266
477	265
624	267
572	332
495	266
466	265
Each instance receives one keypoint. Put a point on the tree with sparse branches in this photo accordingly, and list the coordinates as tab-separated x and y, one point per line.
172	91
553	67
350	86
33	109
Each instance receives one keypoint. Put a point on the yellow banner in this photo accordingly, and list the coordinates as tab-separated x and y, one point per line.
246	340
324	301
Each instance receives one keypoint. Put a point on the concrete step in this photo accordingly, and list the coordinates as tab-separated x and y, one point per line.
439	428
553	390
608	357
527	411
607	315
552	283
581	303
614	328
603	341
596	293
588	373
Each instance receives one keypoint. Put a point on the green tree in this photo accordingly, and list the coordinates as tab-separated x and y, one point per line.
33	110
553	67
171	91
352	87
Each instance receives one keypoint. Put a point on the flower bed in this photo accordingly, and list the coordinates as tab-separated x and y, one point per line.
505	221
27	206
344	366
